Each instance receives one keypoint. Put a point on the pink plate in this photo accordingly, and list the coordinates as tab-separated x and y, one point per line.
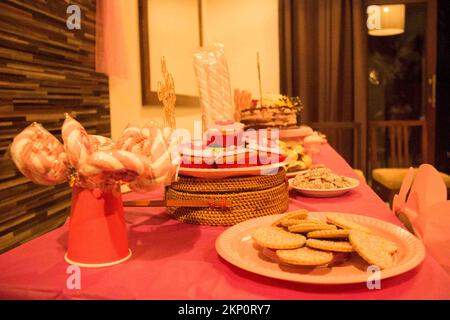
231	172
237	247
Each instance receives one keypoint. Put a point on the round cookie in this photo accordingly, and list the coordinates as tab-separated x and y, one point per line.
291	222
370	249
316	220
386	244
304	228
346	223
297	215
327	245
328	234
305	257
277	238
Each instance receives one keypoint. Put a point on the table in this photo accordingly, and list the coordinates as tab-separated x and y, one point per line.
172	260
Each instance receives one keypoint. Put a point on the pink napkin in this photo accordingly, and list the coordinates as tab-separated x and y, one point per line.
428	188
432	226
427	210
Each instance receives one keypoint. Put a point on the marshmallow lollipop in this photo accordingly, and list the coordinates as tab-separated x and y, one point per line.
39	156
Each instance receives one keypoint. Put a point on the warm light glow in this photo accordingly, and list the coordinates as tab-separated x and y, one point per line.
387	20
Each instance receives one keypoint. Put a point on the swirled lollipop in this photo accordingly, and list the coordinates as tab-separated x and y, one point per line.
39	156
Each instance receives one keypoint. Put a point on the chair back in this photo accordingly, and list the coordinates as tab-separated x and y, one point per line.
397	150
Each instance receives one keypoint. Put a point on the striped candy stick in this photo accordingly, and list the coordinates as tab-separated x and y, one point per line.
201	61
39	156
156	149
100	142
76	141
159	155
162	168
224	80
113	162
130	137
150	143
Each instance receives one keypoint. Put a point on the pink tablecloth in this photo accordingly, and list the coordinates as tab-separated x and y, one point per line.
172	260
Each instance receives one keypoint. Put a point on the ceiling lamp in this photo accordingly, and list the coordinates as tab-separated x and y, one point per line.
386	20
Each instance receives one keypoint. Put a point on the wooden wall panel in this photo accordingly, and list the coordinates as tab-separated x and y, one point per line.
45	70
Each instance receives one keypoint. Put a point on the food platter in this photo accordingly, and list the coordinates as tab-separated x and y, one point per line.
325	193
236	246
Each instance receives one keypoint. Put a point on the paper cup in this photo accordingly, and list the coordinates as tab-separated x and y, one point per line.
97	230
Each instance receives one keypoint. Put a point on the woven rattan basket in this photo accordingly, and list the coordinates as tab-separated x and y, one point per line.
251	197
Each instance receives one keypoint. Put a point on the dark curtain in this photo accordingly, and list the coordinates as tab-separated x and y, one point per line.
323	61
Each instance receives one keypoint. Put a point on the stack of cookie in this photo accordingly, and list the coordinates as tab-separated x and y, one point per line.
321	177
306	241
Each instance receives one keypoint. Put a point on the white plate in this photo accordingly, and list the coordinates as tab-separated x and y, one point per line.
231	172
294	173
301	132
325	193
237	247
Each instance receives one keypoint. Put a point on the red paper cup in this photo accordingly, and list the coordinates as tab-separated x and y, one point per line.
97	230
